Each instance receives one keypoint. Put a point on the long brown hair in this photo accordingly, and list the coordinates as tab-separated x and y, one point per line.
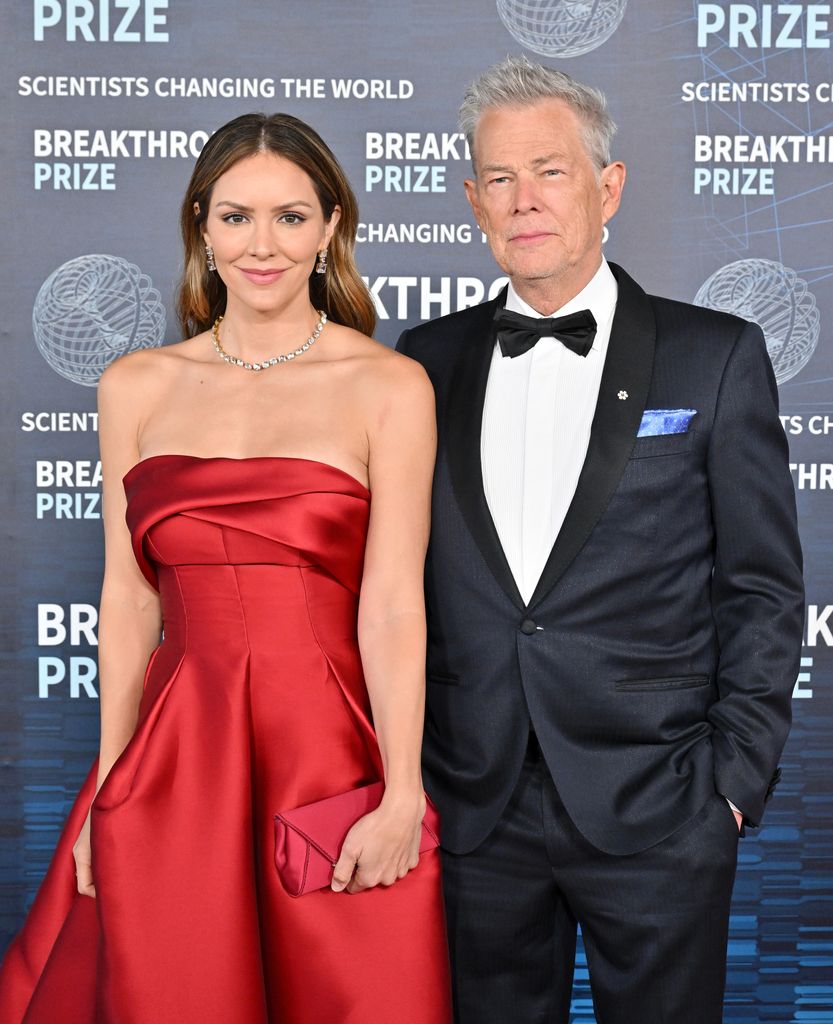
341	291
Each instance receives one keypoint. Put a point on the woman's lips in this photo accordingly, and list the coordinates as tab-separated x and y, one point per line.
260	276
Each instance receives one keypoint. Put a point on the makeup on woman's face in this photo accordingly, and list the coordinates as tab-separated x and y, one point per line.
266	227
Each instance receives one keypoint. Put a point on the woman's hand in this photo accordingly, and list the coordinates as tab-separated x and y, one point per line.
381	847
83	860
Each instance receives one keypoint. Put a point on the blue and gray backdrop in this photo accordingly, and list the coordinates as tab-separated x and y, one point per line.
725	114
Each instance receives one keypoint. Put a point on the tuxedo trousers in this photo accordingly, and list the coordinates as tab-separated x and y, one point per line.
654	924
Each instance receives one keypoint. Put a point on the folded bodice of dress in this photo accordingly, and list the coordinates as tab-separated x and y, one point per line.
184	510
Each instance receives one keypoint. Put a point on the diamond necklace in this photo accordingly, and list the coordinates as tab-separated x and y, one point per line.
285	358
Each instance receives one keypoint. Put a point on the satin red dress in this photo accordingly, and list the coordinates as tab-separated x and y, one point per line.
254	703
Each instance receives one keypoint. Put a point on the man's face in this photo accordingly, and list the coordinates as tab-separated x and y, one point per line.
538	196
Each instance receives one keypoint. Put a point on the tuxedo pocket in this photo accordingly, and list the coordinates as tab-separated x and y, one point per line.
443	678
655	445
668	683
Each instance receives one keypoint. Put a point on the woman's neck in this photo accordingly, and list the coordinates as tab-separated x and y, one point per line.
254	335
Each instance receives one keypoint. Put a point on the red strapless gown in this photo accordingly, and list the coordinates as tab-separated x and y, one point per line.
254	702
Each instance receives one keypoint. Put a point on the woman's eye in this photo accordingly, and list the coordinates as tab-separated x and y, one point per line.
234	218
292	218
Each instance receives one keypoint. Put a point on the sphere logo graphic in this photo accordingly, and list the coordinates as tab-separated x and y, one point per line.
776	298
93	309
561	28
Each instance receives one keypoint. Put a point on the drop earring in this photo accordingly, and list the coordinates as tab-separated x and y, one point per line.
209	258
321	265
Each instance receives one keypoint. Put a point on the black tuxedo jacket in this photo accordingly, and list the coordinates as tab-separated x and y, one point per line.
657	657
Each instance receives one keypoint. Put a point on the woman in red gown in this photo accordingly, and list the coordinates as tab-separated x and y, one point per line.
239	524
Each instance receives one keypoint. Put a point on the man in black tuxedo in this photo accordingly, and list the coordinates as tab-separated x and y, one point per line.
614	592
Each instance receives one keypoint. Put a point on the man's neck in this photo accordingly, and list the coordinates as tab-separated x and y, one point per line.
548	294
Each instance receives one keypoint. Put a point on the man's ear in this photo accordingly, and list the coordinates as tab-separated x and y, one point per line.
471	194
612	181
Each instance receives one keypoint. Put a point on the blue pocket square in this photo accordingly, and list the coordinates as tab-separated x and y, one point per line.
665	421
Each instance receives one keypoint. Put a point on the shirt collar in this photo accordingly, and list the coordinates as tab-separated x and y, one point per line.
598	295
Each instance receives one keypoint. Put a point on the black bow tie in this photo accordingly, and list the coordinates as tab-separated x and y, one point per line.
518	333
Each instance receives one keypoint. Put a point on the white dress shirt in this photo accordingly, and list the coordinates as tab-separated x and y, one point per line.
536	428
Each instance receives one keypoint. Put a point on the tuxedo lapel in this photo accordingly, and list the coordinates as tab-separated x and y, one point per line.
623	393
464	417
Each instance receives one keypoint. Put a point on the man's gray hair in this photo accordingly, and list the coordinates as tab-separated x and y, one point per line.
518	82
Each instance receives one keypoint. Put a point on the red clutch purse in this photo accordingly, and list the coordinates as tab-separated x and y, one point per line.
308	840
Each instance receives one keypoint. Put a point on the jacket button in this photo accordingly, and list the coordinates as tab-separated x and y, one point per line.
528	627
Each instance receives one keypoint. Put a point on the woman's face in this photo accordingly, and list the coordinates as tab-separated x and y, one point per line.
266	227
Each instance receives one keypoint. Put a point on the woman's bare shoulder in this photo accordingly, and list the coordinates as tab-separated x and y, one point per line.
379	367
147	367
136	384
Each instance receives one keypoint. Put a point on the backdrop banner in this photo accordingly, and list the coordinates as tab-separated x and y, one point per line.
726	126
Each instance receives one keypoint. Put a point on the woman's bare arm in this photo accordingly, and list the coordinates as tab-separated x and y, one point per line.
391	625
129	612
